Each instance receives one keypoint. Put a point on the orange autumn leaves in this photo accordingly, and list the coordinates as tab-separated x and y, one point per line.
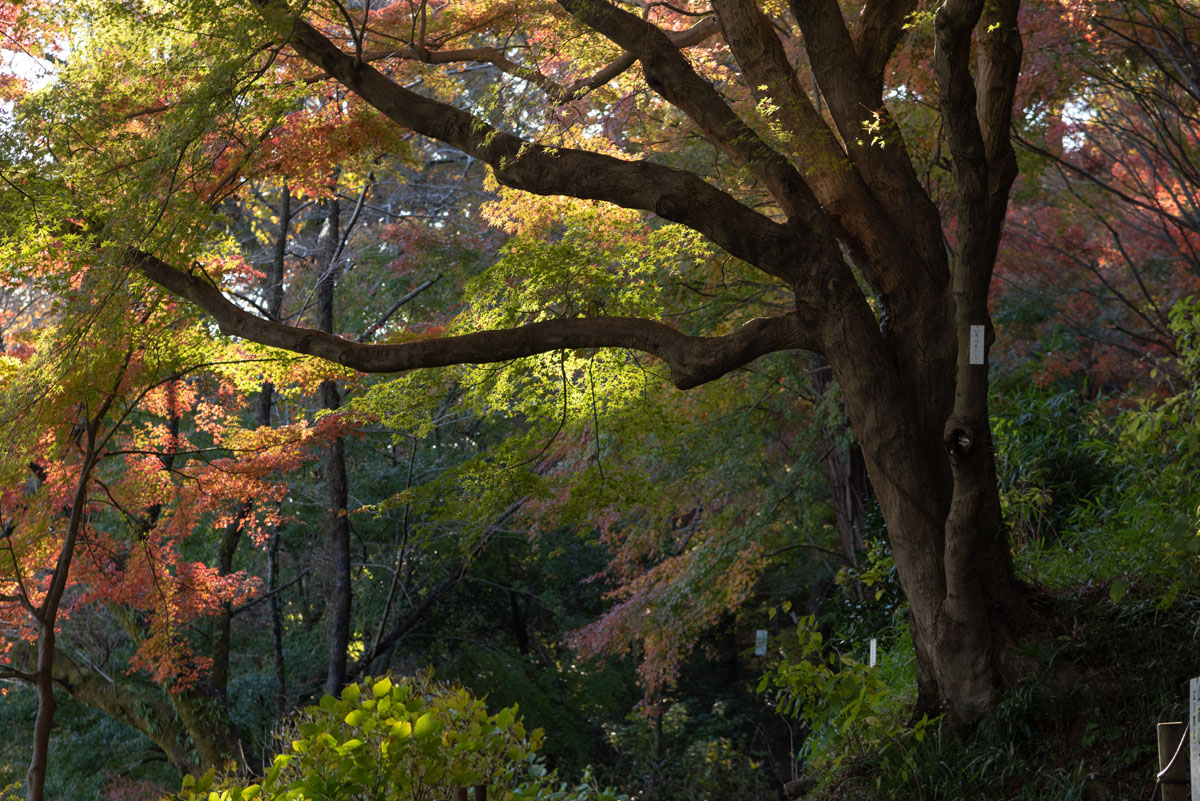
176	462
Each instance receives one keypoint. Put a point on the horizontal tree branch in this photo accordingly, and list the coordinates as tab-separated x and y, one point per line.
691	360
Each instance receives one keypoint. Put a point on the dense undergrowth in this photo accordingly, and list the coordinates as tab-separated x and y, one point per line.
1079	725
1103	503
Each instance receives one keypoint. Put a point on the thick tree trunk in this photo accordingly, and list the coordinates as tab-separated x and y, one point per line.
934	479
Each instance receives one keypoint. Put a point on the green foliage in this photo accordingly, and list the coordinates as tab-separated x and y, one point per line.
126	755
1051	457
1079	726
410	740
852	711
381	740
669	752
1122	489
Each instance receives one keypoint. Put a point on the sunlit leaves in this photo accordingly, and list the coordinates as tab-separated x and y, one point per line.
412	739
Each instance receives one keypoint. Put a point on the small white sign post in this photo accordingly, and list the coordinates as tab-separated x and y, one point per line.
871	662
976	351
1194	735
760	642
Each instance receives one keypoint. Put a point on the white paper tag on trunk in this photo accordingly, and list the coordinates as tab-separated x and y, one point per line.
976	344
760	642
871	663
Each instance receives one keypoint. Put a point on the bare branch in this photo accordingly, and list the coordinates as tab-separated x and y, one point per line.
395	307
694	35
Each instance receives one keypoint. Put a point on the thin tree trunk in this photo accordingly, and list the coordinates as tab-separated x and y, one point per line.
276	625
266	400
337	524
219	677
47	617
845	473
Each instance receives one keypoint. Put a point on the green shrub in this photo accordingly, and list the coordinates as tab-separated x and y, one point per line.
854	713
411	740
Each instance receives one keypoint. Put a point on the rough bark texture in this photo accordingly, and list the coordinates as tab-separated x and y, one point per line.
843	206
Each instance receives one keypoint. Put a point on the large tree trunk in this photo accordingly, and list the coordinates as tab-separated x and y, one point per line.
941	508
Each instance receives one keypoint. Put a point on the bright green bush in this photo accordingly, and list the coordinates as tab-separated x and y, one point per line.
853	712
410	740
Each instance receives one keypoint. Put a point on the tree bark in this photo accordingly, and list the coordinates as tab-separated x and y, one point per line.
337	524
845	473
274	307
219	677
46	614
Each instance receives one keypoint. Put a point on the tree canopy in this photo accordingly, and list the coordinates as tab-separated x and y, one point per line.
240	235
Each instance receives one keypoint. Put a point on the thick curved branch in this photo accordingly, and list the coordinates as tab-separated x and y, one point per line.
876	33
997	64
669	74
153	717
672	194
872	138
977	120
837	184
691	360
955	22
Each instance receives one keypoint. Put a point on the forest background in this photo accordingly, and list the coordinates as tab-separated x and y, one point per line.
207	526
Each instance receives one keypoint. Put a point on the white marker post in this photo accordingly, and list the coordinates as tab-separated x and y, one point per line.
976	351
871	662
1194	735
760	642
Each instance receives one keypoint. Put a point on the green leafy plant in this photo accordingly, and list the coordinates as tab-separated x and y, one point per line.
852	713
409	740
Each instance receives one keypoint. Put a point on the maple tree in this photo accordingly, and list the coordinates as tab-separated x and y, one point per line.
116	462
823	200
1112	171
